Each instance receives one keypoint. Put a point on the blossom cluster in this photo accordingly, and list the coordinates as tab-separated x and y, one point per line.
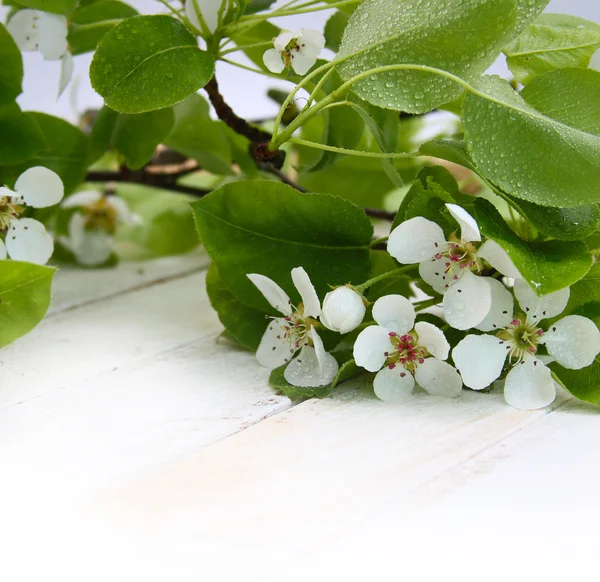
507	331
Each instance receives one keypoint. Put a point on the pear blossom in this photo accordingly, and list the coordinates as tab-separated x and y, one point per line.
46	32
452	267
93	225
402	353
26	239
298	48
573	342
343	309
206	15
293	337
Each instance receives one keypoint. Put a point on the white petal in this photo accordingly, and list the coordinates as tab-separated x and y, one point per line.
23	27
501	311
7	192
27	240
313	40
39	187
83	198
284	38
573	341
393	385
274	350
310	369
301	62
124	215
210	12
395	313
66	71
310	300
272	292
415	240
496	256
433	273
90	247
544	307
273	61
468	301
3	254
439	378
76	231
52	39
343	310
469	231
529	385
433	340
479	359
371	346
328	366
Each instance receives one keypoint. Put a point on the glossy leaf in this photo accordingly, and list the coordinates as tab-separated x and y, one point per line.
11	71
583	384
149	62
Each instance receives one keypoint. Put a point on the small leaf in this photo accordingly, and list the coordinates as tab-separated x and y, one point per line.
334	30
24	298
20	137
65	7
254	6
11	71
149	62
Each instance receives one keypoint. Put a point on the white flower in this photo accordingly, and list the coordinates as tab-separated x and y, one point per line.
206	15
452	267
47	33
92	227
573	342
299	49
26	239
294	334
343	310
402	352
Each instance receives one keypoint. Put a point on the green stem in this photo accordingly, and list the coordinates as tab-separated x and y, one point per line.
253	69
379	241
328	148
317	88
420	305
300	10
395	273
174	11
244	47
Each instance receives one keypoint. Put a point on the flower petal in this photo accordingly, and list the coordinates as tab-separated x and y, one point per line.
124	215
501	311
415	240
479	359
27	240
210	12
395	313
573	341
439	378
52	39
272	292
467	301
328	366
39	187
469	231
544	307
90	247
284	38
66	71
371	346
23	27
433	340
83	198
273	61
302	62
3	253
529	385
496	256
274	350
310	300
434	274
393	385
343	310
313	40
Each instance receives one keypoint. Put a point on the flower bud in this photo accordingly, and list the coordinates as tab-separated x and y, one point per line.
206	15
343	310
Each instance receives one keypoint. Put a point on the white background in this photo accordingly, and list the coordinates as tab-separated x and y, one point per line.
245	91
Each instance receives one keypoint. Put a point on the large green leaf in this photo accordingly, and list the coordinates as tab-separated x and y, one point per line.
546	266
458	36
11	71
554	41
197	136
56	6
20	137
552	162
269	228
149	62
24	298
583	384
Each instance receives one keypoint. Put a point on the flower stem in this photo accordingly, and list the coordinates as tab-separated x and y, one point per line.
426	303
348	152
302	9
379	241
395	273
244	47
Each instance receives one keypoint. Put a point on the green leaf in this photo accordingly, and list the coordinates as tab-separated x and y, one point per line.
197	136
546	266
244	324
135	137
585	291
20	137
149	62
24	298
583	384
382	262
449	149
90	23
388	32
56	6
269	228
554	41
255	6
11	71
334	30
552	163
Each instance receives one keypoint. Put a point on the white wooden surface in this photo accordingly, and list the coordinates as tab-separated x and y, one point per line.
137	445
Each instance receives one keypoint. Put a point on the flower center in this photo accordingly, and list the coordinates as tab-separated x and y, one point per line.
8	211
101	215
295	330
406	352
458	257
521	338
287	53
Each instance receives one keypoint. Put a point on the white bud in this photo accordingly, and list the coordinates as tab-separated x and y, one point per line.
343	310
206	15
